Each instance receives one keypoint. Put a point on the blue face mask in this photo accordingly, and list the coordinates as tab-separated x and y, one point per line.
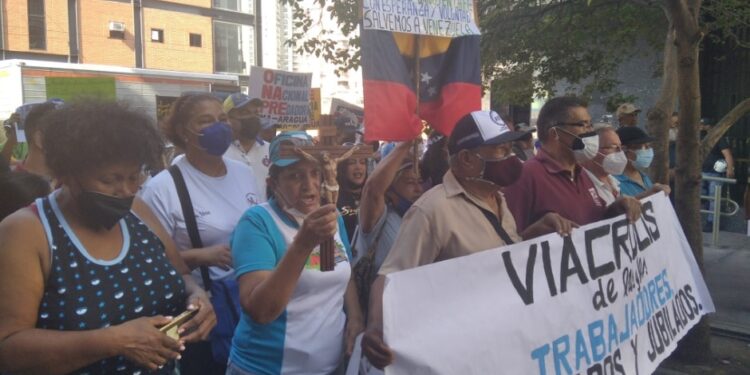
216	138
402	204
643	158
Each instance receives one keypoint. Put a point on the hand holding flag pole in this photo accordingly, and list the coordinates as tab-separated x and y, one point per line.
328	158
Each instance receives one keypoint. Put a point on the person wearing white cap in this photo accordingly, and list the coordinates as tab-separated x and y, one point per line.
627	114
465	214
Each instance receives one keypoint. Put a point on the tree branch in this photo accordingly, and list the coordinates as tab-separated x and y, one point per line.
722	126
659	115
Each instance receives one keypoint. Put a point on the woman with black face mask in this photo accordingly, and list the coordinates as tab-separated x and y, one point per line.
93	273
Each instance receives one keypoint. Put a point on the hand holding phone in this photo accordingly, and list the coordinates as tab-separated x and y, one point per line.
171	328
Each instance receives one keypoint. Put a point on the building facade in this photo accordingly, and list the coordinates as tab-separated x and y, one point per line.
200	36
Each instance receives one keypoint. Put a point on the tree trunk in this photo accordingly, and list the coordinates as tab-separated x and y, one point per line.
660	114
722	126
696	346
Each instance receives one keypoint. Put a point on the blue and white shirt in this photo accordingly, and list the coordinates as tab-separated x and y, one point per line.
308	337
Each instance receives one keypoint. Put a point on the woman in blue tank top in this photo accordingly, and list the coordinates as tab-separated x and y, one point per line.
89	274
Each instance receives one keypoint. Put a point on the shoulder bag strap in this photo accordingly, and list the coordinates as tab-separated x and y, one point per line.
492	218
189	216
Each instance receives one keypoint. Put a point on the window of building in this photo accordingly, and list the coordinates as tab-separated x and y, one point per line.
242	6
116	30
157	35
233	48
196	40
37	27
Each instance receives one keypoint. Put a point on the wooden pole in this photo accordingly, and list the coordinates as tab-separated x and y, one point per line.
417	66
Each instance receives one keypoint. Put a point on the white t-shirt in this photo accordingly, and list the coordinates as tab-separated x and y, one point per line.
603	190
257	158
218	203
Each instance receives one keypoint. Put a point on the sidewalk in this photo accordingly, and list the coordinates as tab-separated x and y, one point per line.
727	274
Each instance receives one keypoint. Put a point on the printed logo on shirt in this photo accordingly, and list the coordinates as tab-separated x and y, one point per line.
201	213
266	161
252	199
313	261
349	211
595	196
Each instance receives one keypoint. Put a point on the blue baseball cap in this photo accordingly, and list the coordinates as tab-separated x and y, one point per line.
295	138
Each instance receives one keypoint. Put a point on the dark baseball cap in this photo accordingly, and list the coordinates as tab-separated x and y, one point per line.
632	135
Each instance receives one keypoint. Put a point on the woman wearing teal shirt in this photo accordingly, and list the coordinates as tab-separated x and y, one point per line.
296	319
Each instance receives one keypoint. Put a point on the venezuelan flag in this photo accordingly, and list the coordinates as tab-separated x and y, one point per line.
449	83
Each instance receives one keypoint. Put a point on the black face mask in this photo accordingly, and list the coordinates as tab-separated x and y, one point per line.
249	128
101	211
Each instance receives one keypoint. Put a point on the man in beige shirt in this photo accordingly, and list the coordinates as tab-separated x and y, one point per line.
465	214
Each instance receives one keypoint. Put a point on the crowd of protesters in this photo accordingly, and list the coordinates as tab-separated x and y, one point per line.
104	244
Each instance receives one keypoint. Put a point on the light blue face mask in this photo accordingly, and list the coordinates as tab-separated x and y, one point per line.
643	158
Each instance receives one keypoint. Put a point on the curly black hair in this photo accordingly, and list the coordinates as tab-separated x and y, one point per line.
90	134
180	112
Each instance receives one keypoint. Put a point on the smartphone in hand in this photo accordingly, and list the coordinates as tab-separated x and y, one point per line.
171	328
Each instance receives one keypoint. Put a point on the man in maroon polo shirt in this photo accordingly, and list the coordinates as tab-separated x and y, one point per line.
553	185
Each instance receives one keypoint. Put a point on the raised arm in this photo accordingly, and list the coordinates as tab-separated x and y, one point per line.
372	204
266	287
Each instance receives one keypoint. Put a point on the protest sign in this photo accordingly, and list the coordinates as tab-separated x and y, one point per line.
451	18
163	104
346	116
612	298
285	95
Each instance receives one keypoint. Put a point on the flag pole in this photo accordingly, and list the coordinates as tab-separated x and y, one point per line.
417	53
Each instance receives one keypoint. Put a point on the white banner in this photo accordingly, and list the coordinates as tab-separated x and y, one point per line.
447	18
285	95
612	298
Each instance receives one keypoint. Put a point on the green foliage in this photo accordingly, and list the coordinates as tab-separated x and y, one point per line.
529	46
345	54
578	41
725	21
615	100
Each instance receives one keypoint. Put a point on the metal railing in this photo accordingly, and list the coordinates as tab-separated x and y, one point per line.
718	200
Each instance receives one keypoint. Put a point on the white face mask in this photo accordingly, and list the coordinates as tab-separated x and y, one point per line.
298	216
672	135
584	146
615	163
529	153
590	149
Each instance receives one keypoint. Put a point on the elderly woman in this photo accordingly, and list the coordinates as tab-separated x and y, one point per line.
93	273
220	190
296	319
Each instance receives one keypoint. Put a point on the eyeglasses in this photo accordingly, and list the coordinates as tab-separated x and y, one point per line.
580	124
